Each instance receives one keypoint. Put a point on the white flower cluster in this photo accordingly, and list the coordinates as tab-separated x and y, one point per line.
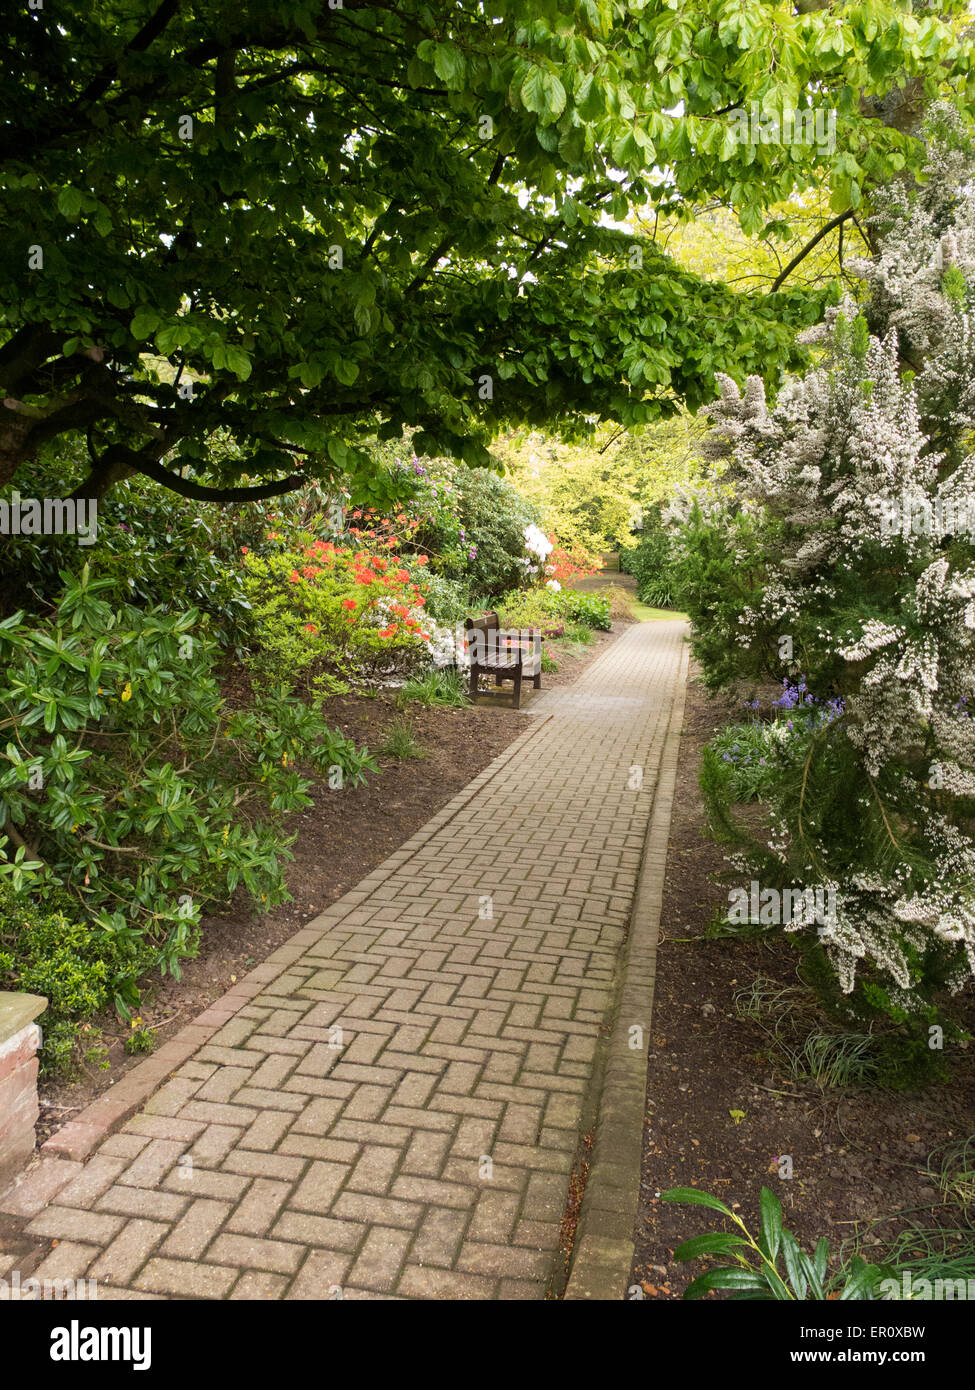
537	543
839	447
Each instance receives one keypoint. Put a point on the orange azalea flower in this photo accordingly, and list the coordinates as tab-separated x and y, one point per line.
364	577
423	559
309	571
390	631
294	576
310	627
244	549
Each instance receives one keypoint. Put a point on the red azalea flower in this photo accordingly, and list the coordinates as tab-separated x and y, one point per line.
349	603
310	627
244	549
294	576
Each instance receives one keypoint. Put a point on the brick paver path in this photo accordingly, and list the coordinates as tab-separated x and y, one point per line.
427	1155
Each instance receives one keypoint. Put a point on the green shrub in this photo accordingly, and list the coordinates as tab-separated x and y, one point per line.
655	563
591	609
531	608
78	966
128	784
347	615
494	518
555	611
158	549
448	601
724	561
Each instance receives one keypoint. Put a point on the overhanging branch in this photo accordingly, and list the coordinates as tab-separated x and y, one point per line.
810	245
198	493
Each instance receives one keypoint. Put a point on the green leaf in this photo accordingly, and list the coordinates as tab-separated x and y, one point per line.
861	1280
239	363
694	1198
310	374
726	1279
771	1211
144	323
794	1261
543	93
449	64
711	1243
69	203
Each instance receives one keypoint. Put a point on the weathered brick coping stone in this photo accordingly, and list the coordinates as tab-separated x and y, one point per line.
19	1040
602	1255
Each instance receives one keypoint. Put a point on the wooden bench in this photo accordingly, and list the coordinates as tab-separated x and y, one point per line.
507	656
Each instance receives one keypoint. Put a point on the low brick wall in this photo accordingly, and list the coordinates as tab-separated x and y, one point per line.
19	1040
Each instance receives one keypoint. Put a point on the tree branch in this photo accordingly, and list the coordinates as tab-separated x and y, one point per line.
813	242
118	456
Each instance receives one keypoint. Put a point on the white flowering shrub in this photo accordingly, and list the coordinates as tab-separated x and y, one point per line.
836	541
537	543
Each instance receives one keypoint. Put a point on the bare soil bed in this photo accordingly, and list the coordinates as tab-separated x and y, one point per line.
720	1115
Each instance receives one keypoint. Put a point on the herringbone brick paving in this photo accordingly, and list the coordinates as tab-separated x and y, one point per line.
398	1112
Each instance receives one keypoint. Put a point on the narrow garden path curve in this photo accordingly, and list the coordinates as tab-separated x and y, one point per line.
472	976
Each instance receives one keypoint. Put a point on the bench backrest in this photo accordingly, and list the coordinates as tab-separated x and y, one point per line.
486	639
488	622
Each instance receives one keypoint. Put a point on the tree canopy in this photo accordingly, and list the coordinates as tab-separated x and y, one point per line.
288	225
